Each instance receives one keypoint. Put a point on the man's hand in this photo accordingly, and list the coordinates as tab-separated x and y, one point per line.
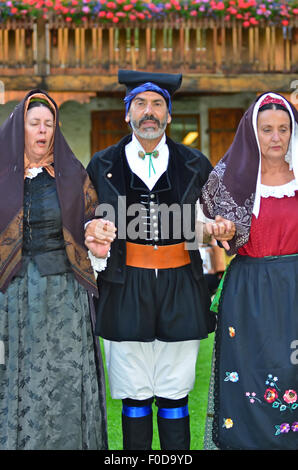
222	230
99	235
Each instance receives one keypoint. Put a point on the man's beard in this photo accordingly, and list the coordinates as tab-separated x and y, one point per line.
149	133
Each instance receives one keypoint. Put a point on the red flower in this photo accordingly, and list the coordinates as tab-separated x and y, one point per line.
111	5
270	395
249	11
220	6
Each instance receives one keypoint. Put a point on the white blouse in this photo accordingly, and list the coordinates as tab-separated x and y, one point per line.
287	189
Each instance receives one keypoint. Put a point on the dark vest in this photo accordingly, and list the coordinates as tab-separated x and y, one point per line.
107	173
159	220
42	231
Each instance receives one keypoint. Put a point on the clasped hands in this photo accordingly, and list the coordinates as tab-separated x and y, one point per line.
99	235
221	229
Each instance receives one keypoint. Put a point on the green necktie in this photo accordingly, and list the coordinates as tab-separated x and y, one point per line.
153	154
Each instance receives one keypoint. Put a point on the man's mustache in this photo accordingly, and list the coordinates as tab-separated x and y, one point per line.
150	117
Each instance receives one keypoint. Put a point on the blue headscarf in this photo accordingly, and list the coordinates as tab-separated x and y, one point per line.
147	87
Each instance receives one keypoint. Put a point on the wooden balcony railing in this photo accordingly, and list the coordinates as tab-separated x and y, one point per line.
196	47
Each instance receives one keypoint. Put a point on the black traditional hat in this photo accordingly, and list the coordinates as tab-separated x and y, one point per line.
133	79
136	82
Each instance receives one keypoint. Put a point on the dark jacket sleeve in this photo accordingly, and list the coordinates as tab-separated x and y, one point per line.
91	170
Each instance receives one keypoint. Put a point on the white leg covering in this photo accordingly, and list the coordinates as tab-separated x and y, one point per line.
141	370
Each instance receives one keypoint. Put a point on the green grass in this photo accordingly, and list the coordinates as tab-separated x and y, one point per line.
197	404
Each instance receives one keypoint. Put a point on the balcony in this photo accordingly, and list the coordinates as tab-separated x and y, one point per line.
211	54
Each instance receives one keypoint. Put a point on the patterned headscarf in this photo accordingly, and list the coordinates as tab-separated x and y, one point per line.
233	186
77	197
48	159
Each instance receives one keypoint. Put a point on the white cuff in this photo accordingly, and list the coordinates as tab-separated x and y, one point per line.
98	264
200	216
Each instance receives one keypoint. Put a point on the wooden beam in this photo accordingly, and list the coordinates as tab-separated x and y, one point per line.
192	48
159	45
142	58
122	48
41	53
196	83
238	83
105	49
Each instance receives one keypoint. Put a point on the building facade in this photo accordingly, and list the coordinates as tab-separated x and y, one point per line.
224	64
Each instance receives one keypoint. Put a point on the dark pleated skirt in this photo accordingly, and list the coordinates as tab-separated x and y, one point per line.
256	356
49	390
171	306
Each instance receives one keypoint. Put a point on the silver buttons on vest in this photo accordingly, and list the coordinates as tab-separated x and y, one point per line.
150	217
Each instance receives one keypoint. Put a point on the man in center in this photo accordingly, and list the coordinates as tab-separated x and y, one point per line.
154	304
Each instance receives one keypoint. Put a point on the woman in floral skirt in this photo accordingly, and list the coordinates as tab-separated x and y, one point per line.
253	402
51	377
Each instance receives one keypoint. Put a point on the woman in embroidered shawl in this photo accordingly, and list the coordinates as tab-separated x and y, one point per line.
51	379
254	385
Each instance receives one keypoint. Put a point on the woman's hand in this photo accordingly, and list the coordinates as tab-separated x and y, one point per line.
99	235
222	230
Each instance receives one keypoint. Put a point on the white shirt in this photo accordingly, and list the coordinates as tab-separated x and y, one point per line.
140	166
